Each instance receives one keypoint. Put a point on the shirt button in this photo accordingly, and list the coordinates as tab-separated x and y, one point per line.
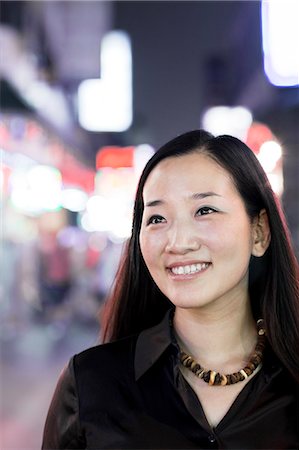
211	439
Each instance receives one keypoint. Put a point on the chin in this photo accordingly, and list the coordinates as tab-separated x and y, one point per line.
188	303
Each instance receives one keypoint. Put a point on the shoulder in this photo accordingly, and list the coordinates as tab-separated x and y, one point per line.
108	358
101	372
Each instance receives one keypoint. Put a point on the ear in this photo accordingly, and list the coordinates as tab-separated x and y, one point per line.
261	234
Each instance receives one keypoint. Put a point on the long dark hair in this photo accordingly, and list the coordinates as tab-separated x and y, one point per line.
136	303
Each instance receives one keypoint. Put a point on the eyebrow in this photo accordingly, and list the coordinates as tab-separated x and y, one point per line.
196	196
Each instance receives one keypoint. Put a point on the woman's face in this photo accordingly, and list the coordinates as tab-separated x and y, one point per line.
196	237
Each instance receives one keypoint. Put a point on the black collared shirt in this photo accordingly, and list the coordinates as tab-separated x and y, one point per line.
130	394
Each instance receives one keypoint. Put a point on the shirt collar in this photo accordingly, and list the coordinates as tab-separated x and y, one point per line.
152	343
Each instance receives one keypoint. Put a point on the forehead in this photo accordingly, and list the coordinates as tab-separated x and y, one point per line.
193	172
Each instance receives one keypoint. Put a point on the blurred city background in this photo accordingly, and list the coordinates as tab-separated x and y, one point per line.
89	90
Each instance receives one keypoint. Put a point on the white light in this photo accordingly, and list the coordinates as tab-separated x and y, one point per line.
99	211
73	199
45	185
106	104
276	182
111	215
270	152
37	190
85	223
122	229
226	120
142	153
281	41
96	204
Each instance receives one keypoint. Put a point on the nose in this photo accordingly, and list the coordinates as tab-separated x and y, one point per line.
182	239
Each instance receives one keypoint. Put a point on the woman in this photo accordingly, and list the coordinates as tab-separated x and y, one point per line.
203	321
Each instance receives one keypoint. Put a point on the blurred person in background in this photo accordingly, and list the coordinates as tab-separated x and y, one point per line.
54	272
201	330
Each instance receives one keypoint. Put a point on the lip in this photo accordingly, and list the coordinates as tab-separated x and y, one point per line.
186	263
187	276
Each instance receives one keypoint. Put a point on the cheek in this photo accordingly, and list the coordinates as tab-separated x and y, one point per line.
151	246
231	240
146	247
212	235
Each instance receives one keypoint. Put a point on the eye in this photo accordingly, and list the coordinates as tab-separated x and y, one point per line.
154	220
205	210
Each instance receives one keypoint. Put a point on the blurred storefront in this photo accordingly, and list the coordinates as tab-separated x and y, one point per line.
62	216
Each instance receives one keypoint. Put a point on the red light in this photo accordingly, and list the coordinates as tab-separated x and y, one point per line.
115	157
257	134
75	174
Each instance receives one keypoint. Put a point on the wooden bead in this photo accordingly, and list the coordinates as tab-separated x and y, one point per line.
195	366
199	373
183	357
242	371
233	378
223	380
228	378
212	377
249	370
218	379
187	362
240	377
206	376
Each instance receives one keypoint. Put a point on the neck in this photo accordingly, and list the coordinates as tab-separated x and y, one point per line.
222	340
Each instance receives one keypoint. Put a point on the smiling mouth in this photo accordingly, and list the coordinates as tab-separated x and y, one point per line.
189	269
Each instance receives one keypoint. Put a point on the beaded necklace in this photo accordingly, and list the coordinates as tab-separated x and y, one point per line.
214	378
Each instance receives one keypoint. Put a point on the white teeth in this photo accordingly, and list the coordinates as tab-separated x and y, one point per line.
189	269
